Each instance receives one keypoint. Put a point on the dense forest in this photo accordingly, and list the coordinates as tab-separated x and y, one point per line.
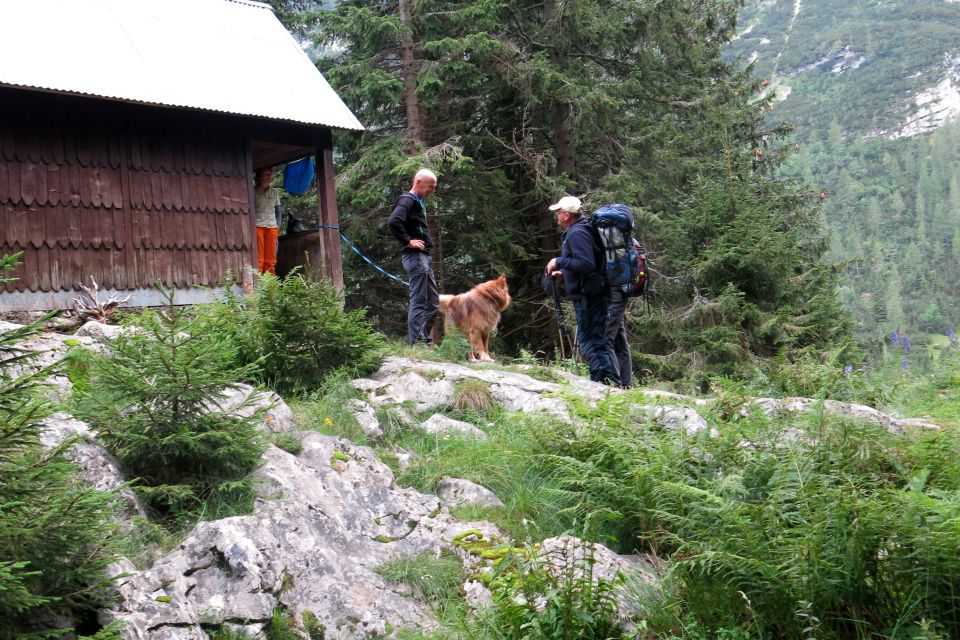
515	105
893	208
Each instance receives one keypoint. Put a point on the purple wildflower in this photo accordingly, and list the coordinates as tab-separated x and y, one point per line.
903	363
895	337
848	369
905	342
949	332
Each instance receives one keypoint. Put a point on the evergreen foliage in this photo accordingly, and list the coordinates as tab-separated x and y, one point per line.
55	532
519	103
293	333
152	397
751	258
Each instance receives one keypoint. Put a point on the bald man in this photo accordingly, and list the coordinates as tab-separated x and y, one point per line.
408	224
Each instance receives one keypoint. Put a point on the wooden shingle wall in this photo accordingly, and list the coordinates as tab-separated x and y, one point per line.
128	195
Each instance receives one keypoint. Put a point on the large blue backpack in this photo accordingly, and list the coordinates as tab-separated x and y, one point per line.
613	224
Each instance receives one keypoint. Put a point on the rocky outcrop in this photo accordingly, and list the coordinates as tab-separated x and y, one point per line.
455	492
96	466
366	417
846	410
681	419
243	400
99	332
329	516
440	425
326	519
50	348
432	385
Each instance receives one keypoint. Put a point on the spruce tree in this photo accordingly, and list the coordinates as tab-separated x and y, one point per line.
156	400
55	531
523	101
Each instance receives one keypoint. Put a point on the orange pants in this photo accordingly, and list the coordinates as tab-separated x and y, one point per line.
267	249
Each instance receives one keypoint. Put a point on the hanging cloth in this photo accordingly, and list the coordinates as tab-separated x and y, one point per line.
297	176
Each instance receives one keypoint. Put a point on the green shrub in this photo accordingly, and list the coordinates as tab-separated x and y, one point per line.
149	398
55	532
533	602
297	332
454	347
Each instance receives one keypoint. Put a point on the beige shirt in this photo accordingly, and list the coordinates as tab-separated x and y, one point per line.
264	201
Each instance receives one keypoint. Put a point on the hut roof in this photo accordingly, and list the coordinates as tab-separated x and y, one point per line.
229	56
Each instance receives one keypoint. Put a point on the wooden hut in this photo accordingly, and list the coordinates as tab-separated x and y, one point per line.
129	135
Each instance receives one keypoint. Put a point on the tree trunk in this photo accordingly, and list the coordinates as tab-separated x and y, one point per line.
416	134
415	131
562	142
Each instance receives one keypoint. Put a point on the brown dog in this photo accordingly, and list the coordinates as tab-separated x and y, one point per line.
476	314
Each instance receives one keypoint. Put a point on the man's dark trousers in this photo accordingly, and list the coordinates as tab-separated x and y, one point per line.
424	296
617	337
592	330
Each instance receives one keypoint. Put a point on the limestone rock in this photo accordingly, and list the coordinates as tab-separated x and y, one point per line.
847	410
50	349
567	555
456	492
417	386
766	406
477	595
405	459
97	467
441	425
244	400
99	331
366	417
682	418
918	423
431	385
327	518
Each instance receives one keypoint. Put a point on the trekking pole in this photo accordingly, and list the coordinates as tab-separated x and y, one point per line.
561	326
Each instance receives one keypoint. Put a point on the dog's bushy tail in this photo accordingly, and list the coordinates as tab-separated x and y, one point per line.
445	302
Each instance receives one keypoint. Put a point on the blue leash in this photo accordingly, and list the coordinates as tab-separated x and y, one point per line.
365	258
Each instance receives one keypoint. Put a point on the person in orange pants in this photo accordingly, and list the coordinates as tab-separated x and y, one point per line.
266	202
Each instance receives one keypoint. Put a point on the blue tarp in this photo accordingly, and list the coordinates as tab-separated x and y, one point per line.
298	176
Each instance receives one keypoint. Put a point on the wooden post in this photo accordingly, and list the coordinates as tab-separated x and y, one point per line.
327	213
247	277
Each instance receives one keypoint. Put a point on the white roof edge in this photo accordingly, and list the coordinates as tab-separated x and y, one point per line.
165	105
252	3
229	58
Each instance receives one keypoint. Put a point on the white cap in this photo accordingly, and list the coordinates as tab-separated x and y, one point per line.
567	203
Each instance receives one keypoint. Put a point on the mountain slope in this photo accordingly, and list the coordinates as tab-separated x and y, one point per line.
872	88
876	67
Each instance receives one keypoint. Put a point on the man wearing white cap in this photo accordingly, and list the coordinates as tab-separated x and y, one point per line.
581	268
